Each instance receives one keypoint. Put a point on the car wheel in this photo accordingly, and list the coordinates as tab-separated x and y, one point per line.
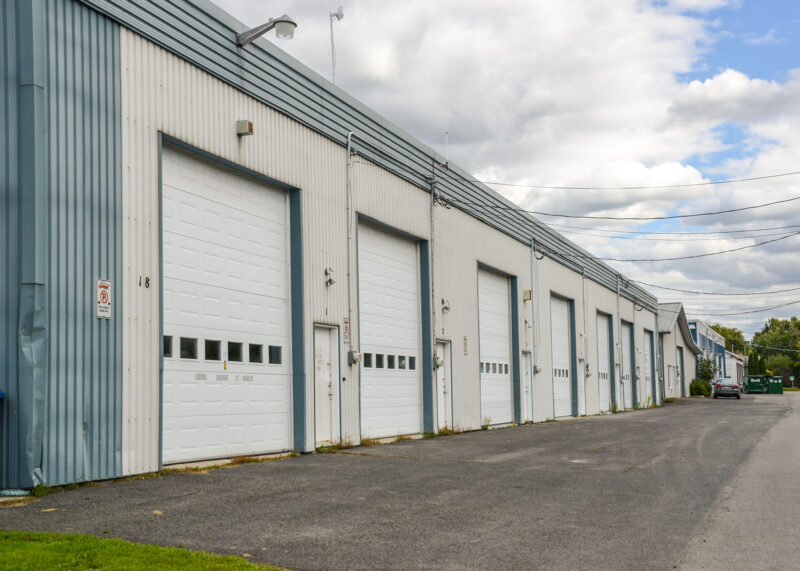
738	396
715	396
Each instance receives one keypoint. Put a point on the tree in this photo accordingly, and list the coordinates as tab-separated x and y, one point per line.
734	338
706	370
780	364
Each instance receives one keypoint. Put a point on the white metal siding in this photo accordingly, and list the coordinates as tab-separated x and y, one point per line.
495	348
388	285
603	363
225	280
562	366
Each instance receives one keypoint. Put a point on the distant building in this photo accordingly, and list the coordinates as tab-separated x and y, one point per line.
734	366
678	351
711	343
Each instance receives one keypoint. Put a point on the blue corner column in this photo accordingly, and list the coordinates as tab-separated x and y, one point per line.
573	357
612	363
298	321
516	377
32	335
427	337
634	376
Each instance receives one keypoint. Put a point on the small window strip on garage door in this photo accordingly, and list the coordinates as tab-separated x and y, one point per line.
225	285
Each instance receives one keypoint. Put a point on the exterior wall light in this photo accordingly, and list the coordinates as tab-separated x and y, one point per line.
284	29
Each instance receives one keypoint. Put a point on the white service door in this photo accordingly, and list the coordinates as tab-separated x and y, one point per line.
627	385
444	384
648	369
389	319
326	385
528	400
225	303
494	324
603	364
562	352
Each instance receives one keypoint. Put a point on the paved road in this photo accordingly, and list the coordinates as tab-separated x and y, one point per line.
620	491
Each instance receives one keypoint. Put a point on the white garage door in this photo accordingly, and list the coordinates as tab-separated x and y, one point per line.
562	362
226	379
495	348
627	385
603	363
389	316
648	372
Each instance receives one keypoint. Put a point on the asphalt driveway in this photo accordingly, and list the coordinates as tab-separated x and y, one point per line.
615	491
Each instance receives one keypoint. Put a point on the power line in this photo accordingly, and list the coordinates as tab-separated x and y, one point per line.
671	239
715	293
669	217
676	257
751	311
776	348
687	185
644	232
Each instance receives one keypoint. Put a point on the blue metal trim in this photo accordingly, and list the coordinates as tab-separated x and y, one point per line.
574	357
160	221
298	320
516	379
652	364
428	424
612	359
634	378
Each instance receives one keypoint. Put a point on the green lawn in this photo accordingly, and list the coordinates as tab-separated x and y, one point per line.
19	550
791	388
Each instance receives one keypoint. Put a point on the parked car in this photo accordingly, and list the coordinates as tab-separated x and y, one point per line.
726	387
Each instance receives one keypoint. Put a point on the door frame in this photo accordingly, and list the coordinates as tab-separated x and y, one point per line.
337	372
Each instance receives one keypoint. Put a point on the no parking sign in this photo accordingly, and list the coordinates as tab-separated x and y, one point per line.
104	299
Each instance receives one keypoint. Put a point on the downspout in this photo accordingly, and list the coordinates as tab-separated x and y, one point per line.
349	248
433	273
586	371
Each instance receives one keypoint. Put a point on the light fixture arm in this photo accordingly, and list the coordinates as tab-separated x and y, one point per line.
248	36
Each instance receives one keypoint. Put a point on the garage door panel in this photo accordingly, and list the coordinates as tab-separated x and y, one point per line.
561	356
224	279
389	320
627	381
494	323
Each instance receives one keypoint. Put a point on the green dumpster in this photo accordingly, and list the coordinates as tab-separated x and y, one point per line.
755	384
776	385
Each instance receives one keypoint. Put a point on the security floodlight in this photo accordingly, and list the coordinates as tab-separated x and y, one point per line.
339	14
284	29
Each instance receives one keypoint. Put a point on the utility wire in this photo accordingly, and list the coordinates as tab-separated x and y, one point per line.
670	217
776	348
715	293
673	239
645	232
675	257
688	185
751	311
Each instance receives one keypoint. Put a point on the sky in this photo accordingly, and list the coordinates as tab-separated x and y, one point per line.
599	95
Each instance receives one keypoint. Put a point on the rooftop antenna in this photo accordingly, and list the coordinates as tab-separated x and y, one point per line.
338	15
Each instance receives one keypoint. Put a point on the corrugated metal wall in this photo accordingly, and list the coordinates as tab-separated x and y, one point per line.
9	256
83	429
66	398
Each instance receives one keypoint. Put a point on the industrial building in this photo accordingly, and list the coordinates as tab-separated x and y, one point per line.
678	351
212	251
712	346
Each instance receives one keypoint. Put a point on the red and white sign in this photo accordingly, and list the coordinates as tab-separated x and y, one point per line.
104	299
346	331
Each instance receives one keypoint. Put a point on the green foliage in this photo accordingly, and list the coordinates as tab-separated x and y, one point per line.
40	491
706	370
700	388
71	551
734	338
780	364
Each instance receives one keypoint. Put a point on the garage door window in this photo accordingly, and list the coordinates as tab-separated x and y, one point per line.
379	360
167	346
213	350
234	352
412	363
256	353
188	348
401	362
275	355
390	361
367	360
